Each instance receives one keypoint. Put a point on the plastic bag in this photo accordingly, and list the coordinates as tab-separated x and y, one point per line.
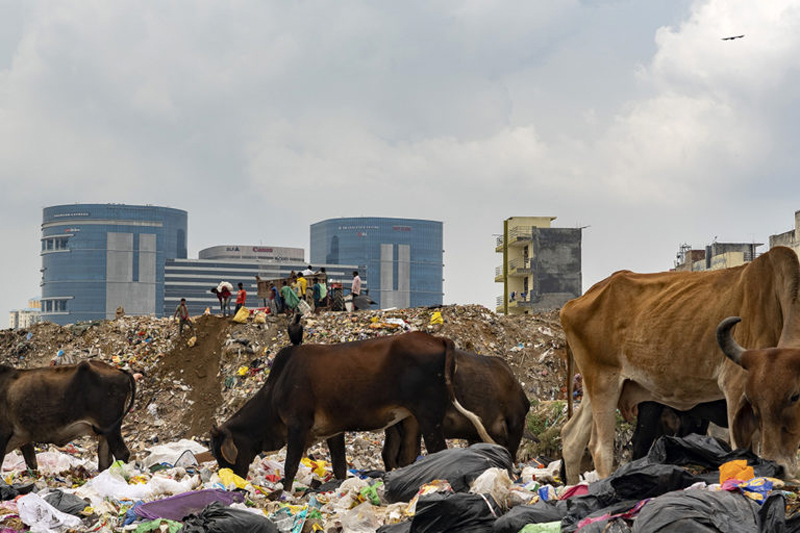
494	482
260	317
216	518
465	513
459	466
360	519
176	507
42	517
736	469
698	510
65	502
303	307
520	516
241	315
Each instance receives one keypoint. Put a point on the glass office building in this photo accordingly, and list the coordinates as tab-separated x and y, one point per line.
97	257
400	260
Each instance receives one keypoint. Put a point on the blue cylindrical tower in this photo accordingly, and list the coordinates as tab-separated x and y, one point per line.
400	259
97	257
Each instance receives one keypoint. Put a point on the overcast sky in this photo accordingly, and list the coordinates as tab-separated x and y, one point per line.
259	118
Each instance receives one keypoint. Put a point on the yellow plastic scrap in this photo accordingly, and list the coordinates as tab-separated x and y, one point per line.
436	318
227	477
320	468
242	371
737	469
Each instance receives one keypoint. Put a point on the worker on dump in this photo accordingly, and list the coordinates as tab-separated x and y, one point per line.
182	314
290	298
241	298
224	296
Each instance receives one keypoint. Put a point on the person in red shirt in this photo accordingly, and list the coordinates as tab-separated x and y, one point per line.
182	314
241	298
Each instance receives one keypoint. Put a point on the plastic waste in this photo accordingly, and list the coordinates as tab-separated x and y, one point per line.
176	507
159	525
360	519
106	485
170	453
216	518
241	315
465	513
65	502
42	517
459	466
736	469
494	482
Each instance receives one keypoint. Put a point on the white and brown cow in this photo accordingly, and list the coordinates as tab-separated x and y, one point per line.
653	337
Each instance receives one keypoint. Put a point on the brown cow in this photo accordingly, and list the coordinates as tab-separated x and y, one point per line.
317	391
485	386
60	403
651	337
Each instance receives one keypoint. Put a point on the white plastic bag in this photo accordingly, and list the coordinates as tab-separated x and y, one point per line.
494	481
42	517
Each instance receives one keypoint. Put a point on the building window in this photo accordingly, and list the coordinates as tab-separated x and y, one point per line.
52	244
54	306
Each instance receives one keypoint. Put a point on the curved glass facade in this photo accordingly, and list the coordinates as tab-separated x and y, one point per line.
400	260
96	257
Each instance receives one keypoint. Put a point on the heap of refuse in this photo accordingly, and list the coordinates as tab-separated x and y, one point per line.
690	484
186	383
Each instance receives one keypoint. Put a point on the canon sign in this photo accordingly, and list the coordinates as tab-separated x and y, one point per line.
258	249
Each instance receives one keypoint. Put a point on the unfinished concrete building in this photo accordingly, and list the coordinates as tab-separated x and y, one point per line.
541	267
715	256
790	239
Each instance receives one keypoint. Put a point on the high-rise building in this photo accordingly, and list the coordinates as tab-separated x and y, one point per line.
400	260
541	267
97	257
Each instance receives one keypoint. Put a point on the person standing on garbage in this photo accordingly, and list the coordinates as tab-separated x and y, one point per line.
320	292
241	298
290	298
182	314
302	283
224	297
355	287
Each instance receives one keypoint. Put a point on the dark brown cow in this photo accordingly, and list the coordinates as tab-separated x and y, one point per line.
317	391
485	386
651	337
58	404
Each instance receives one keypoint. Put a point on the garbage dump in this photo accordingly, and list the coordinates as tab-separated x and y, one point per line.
172	483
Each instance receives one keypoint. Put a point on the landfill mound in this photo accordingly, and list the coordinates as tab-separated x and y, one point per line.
184	389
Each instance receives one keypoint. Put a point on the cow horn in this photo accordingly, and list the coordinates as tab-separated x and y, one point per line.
726	341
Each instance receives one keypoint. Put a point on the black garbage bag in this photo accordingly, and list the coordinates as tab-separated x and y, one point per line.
217	518
446	512
402	527
65	502
522	515
709	452
459	466
9	492
699	511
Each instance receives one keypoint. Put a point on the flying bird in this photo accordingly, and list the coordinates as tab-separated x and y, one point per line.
732	37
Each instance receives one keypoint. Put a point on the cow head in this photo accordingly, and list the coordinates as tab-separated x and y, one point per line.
771	400
229	453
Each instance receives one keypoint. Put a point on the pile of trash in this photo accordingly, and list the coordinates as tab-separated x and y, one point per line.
689	484
186	383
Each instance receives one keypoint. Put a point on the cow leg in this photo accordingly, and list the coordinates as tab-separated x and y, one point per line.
295	448
104	457
338	458
433	435
117	445
605	392
391	447
646	432
574	437
29	453
410	444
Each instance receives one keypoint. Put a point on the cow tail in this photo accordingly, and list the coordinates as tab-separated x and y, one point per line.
131	399
449	372
570	371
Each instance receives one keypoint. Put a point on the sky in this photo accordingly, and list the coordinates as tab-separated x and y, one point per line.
632	119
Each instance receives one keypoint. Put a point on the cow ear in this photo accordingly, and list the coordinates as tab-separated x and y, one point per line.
745	424
228	449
